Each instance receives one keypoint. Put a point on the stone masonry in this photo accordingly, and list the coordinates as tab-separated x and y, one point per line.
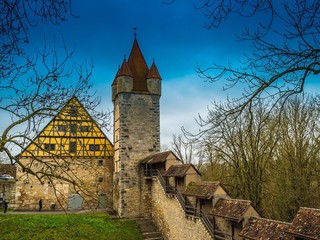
136	93
171	219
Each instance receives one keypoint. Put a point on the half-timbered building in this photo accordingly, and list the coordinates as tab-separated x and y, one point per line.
71	161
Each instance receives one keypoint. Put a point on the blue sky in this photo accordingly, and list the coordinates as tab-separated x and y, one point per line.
174	35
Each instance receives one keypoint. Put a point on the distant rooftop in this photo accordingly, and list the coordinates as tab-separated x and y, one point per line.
260	228
156	158
204	189
233	209
179	170
306	224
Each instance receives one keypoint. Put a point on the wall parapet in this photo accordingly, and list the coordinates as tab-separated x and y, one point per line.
171	218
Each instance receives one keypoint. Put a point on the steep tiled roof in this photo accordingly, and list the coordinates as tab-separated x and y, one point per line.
138	67
232	209
153	72
156	158
178	170
260	228
205	189
306	224
124	70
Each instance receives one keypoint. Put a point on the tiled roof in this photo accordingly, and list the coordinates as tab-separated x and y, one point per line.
306	223
156	158
205	189
153	72
138	67
124	70
260	228
178	170
233	209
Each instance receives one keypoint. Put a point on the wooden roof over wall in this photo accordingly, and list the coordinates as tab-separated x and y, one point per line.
179	170
204	190
306	224
260	228
157	158
233	209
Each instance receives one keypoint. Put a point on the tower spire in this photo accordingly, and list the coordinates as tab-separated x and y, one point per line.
135	33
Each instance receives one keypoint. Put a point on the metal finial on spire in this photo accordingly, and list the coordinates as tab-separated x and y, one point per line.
135	32
124	57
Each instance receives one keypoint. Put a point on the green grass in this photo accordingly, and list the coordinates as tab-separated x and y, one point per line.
62	227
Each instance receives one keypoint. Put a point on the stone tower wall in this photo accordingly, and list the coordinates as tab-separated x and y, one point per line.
139	136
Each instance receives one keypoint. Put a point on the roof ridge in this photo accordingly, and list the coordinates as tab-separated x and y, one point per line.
271	220
124	69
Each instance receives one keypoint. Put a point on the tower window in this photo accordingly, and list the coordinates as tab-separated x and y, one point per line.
73	147
49	147
94	147
100	162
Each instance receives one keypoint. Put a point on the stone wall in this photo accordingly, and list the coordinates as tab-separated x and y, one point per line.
139	136
7	191
94	177
171	219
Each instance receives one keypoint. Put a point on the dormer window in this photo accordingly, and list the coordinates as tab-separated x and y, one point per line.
94	147
73	111
49	147
73	128
62	128
84	128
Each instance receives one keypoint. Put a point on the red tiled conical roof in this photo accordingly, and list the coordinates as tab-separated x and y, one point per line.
153	72
139	68
124	70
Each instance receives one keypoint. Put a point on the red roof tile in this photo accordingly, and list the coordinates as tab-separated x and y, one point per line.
179	170
157	157
153	72
138	67
260	228
205	189
124	70
306	224
232	209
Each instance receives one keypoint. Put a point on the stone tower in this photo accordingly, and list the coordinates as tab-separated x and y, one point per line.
136	92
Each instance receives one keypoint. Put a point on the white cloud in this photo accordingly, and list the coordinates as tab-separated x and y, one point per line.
182	100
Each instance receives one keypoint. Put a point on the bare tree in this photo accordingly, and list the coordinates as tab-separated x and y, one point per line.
243	147
34	89
285	47
296	172
184	149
